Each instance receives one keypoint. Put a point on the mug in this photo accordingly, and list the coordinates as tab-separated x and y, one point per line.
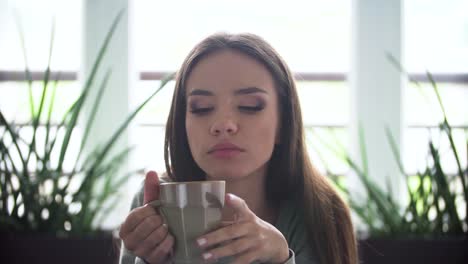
190	209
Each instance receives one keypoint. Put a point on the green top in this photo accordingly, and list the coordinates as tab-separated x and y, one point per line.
290	222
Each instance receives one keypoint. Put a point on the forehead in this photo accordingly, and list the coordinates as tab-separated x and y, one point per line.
228	70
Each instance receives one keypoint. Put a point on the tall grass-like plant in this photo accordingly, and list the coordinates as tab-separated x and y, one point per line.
37	193
434	203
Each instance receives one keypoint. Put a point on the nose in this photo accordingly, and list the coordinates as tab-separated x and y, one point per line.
224	126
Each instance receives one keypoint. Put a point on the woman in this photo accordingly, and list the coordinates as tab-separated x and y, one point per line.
235	116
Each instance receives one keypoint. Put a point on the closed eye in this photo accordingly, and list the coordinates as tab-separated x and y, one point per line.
251	109
201	110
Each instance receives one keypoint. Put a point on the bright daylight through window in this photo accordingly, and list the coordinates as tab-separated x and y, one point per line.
313	36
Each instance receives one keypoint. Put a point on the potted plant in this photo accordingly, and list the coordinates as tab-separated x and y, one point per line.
429	227
49	214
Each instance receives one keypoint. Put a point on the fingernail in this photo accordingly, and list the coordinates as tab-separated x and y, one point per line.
201	241
207	256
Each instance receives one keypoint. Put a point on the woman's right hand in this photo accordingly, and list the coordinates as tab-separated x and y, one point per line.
143	232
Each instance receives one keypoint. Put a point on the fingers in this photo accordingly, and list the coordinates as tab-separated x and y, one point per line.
224	234
135	218
145	247
225	223
148	226
133	239
236	247
162	252
248	238
157	236
144	234
151	189
239	206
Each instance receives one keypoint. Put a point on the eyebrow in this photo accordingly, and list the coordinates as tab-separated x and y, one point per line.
200	92
242	91
249	90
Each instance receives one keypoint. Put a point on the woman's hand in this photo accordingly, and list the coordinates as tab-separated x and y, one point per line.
248	239
143	232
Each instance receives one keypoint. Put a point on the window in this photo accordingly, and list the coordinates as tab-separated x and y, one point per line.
318	55
435	40
312	36
36	20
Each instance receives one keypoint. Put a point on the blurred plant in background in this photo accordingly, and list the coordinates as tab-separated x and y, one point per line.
37	193
437	204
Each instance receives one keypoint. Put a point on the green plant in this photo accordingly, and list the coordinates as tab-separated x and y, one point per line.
435	198
37	194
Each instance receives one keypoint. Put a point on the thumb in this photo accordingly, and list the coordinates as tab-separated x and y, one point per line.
238	206
151	189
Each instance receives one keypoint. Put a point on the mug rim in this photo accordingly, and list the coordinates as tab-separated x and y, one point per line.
192	182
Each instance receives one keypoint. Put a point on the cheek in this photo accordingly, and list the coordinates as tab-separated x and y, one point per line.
190	133
264	135
194	136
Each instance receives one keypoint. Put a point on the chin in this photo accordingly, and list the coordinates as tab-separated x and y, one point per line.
225	175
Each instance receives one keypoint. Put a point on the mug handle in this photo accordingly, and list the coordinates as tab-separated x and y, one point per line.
156	204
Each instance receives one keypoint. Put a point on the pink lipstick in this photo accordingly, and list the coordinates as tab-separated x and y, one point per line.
225	150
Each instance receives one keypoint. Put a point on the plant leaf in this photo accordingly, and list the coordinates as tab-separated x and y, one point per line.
443	189
362	147
124	125
76	111
26	64
93	113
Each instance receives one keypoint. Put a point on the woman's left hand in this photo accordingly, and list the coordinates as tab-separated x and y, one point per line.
248	239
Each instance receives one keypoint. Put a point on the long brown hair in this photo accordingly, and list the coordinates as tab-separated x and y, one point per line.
290	173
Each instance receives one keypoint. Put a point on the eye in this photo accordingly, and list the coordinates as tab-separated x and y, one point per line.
251	109
199	106
200	110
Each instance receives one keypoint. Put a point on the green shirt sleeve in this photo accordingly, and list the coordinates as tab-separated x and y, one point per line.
291	223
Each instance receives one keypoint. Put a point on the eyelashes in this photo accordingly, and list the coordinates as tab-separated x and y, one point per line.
249	109
253	109
200	110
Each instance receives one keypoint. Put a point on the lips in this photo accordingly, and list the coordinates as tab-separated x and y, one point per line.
225	150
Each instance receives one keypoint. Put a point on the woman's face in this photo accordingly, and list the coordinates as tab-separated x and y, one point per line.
232	118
